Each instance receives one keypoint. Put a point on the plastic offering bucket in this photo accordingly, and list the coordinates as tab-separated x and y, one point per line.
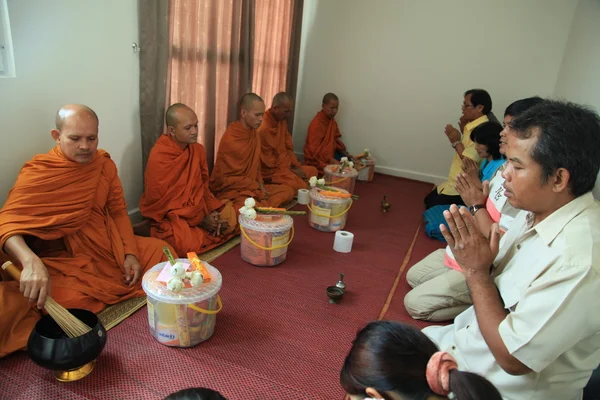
328	214
184	318
265	240
368	172
343	180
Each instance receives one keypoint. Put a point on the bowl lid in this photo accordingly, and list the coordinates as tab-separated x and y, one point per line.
267	223
315	193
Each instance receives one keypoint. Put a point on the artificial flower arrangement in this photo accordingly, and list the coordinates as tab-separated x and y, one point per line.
251	211
344	164
179	275
329	190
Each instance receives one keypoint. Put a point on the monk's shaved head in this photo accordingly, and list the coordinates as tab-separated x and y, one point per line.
281	98
172	114
247	100
73	110
329	97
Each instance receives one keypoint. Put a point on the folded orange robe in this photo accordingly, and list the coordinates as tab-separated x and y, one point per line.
74	217
237	176
277	154
322	140
177	198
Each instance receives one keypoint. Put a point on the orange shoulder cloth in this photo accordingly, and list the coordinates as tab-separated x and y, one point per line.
176	180
320	141
53	196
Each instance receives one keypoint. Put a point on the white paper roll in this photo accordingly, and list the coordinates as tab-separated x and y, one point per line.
343	241
303	196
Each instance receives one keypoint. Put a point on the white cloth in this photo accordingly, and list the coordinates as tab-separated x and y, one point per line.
548	278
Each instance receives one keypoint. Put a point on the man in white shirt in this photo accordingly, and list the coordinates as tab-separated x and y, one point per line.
534	328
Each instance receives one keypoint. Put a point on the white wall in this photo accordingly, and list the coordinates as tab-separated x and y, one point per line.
579	78
400	68
72	51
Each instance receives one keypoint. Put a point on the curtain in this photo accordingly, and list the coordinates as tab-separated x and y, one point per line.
153	30
221	49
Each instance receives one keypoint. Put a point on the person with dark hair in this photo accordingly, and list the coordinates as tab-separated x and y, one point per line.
390	361
440	291
324	145
196	394
487	143
477	104
532	329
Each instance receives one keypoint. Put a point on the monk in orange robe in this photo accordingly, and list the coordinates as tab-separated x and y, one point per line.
279	163
237	173
65	223
177	200
323	140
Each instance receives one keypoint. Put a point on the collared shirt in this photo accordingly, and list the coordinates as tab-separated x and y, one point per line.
447	187
547	276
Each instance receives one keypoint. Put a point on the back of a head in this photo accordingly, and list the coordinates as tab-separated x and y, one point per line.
488	134
391	357
568	137
195	394
519	106
480	97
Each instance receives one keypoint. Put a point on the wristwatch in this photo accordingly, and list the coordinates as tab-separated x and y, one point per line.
454	144
475	208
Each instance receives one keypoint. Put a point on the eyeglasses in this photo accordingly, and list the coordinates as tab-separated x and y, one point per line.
467	105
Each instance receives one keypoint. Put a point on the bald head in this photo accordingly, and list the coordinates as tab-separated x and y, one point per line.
329	97
76	132
182	124
174	112
282	107
330	105
252	110
281	99
73	111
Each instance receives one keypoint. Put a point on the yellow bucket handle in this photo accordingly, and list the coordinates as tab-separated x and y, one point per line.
330	216
209	312
281	246
338	181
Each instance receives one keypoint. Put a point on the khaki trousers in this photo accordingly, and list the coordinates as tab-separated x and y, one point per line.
439	293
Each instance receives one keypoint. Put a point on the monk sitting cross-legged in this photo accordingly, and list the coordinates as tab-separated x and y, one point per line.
176	197
323	141
279	163
237	174
65	223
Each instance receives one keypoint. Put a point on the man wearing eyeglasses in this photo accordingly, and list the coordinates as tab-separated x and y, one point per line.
477	104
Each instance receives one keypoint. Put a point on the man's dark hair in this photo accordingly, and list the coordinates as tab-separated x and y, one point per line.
480	97
568	137
519	106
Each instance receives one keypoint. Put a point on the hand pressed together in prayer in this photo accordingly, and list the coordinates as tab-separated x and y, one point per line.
470	248
35	281
471	168
132	267
213	224
472	191
452	133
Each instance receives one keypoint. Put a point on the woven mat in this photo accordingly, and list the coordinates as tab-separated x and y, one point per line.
111	316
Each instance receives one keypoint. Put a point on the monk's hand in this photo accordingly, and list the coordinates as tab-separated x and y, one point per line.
210	223
299	172
452	133
133	269
470	248
35	281
472	193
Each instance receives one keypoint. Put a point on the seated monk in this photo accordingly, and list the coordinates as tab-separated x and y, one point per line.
236	175
279	163
323	141
176	198
65	223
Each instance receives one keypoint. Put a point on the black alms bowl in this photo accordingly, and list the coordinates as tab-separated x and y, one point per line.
49	347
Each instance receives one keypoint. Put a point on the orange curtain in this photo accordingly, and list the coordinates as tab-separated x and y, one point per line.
221	49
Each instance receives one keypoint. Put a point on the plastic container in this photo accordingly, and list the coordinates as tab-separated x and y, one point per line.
185	318
343	180
367	173
265	239
328	214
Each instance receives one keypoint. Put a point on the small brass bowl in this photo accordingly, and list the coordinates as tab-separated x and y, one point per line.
335	294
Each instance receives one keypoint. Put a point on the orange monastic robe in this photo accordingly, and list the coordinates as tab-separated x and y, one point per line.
74	217
277	154
237	176
322	140
177	198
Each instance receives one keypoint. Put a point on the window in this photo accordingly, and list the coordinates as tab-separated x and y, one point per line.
7	61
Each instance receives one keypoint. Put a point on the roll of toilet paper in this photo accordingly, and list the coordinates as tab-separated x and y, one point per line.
303	196
343	241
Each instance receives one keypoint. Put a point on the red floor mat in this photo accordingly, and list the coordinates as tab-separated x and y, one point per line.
277	336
